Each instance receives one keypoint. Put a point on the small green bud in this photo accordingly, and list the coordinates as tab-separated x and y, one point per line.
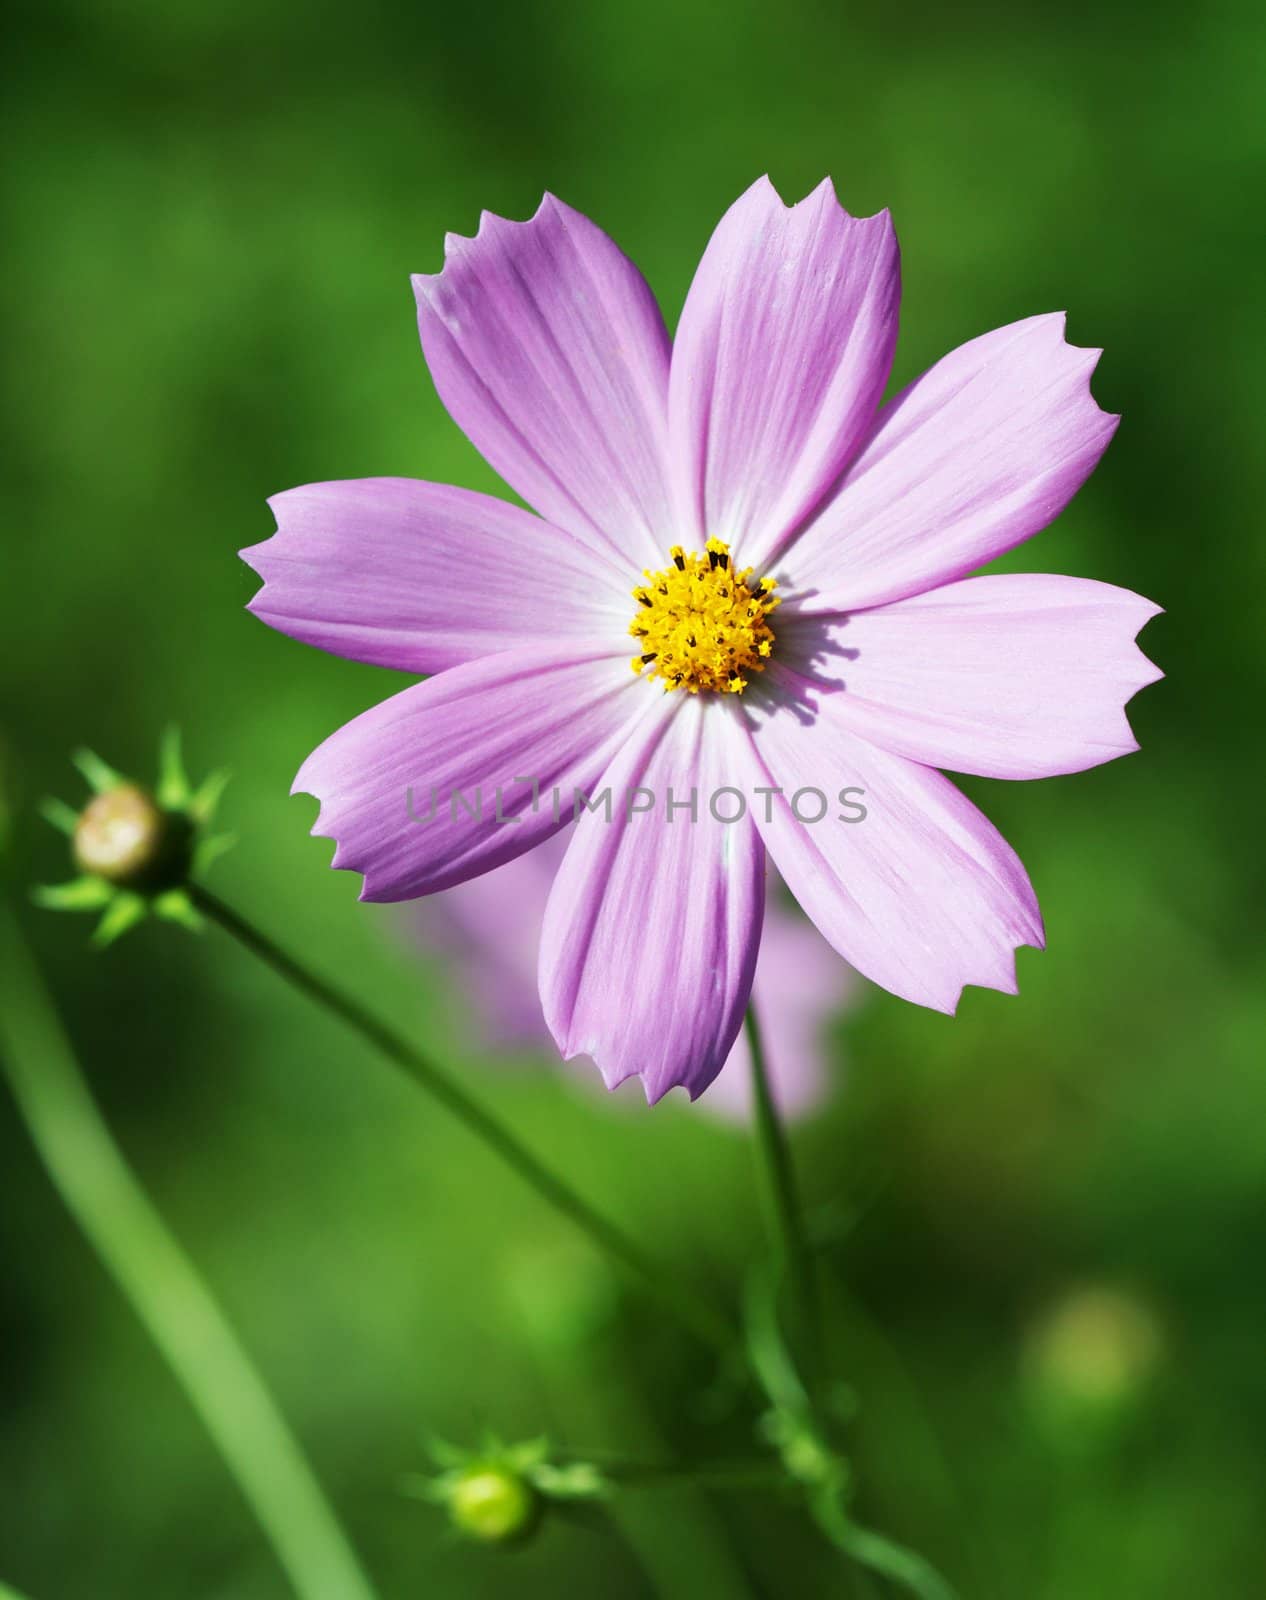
125	837
498	1493
137	849
494	1504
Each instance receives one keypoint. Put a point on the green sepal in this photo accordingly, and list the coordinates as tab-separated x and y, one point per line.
80	894
174	905
173	792
417	1487
204	800
123	913
522	1457
445	1454
209	850
97	774
63	817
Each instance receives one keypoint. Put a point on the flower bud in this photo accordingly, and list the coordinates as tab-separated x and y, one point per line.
490	1502
124	837
137	850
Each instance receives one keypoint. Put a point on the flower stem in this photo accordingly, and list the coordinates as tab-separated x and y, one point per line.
876	1553
693	1310
761	1473
792	1257
164	1288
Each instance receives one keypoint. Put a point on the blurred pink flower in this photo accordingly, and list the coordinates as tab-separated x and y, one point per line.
489	929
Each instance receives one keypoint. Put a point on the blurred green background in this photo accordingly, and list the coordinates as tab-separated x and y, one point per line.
210	215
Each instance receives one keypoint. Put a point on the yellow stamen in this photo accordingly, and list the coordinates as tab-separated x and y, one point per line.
701	624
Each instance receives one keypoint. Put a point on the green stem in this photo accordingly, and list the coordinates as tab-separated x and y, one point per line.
792	1257
758	1474
168	1296
692	1309
873	1551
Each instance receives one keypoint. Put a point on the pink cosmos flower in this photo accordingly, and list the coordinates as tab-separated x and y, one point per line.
683	486
489	929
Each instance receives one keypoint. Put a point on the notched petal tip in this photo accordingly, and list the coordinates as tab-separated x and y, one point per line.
1080	356
1142	608
341	860
256	557
823	195
457	246
492	222
692	1085
764	187
656	1092
304	784
1145	670
253	556
613	1078
319	829
1149	673
826	196
1006	980
259	555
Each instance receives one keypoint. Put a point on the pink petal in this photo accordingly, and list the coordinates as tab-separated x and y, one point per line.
1010	677
780	360
421	576
553	716
489	928
651	930
549	351
923	895
971	459
800	984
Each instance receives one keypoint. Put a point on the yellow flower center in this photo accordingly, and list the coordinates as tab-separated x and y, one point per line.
702	624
